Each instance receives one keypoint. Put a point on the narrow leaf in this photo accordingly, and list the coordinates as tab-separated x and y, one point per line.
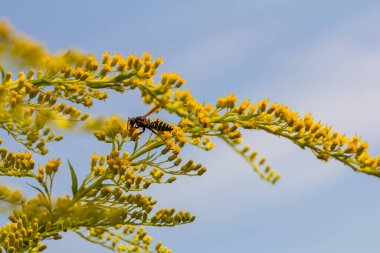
2	73
149	156
136	145
74	180
38	189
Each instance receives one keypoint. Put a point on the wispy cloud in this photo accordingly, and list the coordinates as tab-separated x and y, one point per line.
336	77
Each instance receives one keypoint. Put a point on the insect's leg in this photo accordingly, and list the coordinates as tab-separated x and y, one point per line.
152	131
142	130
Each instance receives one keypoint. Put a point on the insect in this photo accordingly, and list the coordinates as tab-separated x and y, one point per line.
153	125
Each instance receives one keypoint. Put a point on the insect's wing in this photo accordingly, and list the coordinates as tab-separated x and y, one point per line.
155	108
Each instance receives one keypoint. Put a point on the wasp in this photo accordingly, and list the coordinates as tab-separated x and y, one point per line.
153	125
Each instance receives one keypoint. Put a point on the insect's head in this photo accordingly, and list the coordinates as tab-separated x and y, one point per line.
136	120
139	118
131	121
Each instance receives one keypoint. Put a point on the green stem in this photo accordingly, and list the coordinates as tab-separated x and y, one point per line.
149	148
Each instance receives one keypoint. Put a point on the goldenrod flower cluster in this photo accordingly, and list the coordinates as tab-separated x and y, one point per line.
320	139
21	235
125	239
202	122
103	214
134	170
167	217
11	196
107	207
12	164
21	50
26	110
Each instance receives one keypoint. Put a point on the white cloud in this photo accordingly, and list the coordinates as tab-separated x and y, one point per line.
338	80
335	77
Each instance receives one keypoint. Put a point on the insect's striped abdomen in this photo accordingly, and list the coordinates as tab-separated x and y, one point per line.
160	125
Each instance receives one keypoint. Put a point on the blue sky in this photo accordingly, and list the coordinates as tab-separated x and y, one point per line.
315	56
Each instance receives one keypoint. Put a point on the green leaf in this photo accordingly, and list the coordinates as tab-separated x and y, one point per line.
74	180
136	145
38	189
122	77
149	156
2	73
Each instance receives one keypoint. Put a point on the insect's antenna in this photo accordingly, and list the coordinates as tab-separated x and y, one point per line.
155	108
